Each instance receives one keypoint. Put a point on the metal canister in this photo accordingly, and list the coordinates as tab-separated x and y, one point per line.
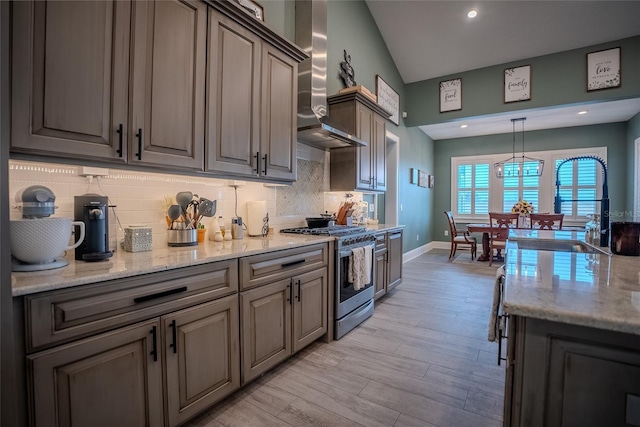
236	228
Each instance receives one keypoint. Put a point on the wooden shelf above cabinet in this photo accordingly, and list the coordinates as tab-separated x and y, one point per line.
361	98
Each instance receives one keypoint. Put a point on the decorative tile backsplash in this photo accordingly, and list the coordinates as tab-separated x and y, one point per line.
305	196
139	197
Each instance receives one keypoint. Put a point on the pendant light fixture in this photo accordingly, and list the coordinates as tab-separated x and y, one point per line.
518	166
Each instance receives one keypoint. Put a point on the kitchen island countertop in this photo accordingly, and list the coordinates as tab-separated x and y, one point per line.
594	290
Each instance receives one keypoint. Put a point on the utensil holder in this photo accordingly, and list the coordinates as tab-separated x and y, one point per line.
182	237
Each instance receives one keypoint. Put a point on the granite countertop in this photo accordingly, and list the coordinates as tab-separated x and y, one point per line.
594	290
128	264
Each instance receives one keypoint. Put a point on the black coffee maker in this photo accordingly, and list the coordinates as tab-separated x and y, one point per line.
92	209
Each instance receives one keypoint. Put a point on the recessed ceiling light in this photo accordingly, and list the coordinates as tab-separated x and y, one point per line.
583	112
463	126
472	13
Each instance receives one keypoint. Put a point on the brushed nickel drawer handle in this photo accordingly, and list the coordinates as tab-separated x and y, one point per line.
150	297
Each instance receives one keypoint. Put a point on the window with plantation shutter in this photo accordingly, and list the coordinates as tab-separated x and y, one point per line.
516	188
472	189
580	186
476	191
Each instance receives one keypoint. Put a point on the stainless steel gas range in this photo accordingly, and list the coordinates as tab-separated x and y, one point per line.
352	306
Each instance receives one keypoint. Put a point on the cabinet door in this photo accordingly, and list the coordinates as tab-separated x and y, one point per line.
309	308
395	259
265	328
168	86
233	100
111	379
380	274
70	63
364	156
380	148
279	115
202	357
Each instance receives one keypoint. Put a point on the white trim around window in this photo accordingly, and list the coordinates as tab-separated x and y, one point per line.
636	180
475	212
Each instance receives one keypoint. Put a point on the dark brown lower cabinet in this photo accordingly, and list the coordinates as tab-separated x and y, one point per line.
201	357
115	378
568	375
394	245
127	366
280	318
387	262
380	259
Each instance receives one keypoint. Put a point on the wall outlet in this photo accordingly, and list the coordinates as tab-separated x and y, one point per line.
400	207
372	207
417	237
89	171
446	232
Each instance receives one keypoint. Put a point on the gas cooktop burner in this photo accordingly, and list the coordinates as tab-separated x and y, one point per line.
336	230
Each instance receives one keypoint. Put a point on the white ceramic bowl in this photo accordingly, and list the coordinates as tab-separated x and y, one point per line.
42	240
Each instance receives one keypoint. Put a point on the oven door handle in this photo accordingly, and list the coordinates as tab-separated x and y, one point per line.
347	253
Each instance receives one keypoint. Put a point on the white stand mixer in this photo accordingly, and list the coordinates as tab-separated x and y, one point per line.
37	242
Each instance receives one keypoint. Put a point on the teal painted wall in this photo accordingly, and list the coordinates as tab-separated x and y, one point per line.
556	79
612	135
280	16
633	132
352	28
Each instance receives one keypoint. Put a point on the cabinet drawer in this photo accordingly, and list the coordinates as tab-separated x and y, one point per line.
61	316
261	269
381	241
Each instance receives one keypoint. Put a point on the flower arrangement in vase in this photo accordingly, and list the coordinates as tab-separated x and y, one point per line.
522	208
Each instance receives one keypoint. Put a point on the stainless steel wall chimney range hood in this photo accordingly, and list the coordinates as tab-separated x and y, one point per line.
314	126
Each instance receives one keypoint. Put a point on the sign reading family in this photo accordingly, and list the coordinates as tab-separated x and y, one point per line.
603	69
517	84
451	95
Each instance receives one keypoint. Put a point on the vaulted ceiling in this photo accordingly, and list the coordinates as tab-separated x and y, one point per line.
429	39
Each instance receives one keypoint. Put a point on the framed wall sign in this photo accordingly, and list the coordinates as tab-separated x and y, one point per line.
603	69
451	95
423	179
517	84
413	176
388	99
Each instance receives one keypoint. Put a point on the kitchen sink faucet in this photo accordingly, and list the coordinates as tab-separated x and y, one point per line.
604	201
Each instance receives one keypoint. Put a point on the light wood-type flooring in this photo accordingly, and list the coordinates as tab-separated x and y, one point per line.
423	359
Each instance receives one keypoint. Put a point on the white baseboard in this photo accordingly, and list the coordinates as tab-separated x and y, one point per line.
415	253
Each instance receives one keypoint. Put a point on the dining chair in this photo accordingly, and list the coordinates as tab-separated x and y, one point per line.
546	221
500	225
460	238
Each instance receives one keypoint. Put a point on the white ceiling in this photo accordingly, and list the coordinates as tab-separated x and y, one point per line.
429	39
547	118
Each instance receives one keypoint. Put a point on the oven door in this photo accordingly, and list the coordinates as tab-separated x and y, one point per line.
347	298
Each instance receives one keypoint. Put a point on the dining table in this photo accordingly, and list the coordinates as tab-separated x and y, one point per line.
485	229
